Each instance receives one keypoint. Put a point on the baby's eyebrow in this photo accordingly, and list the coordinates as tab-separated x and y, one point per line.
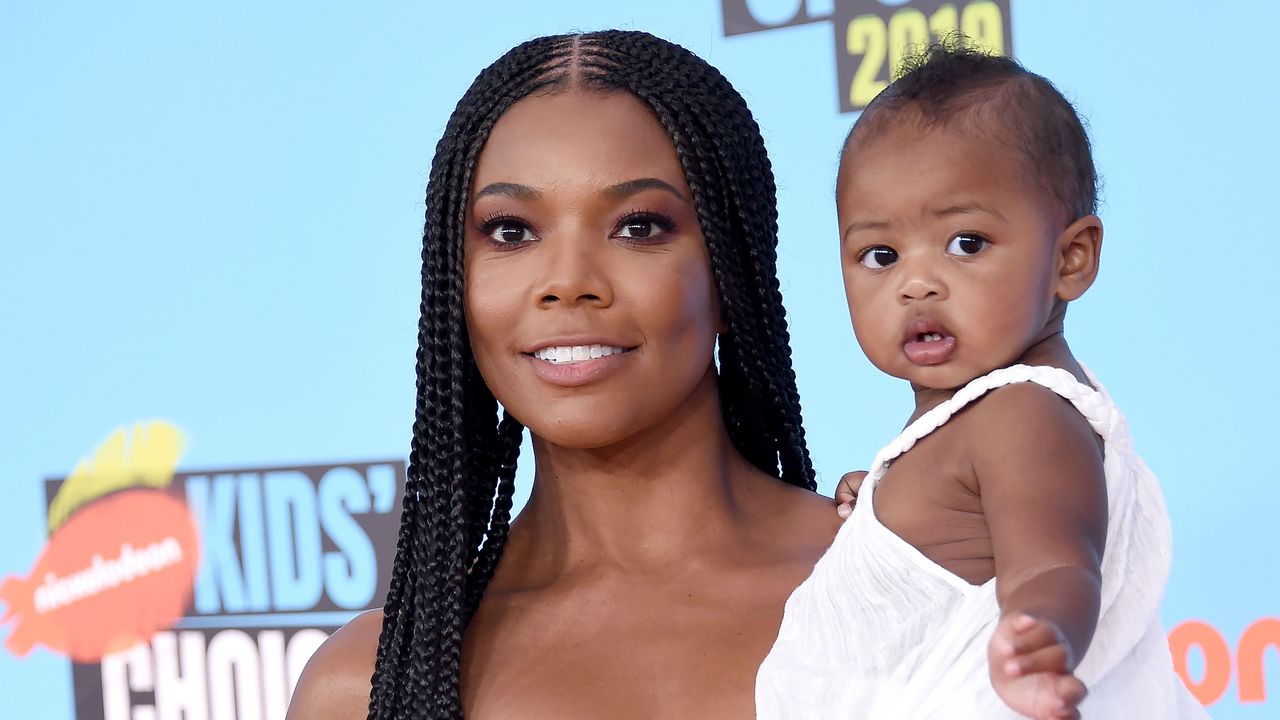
865	225
965	209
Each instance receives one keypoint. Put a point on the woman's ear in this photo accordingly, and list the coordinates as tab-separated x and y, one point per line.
1078	249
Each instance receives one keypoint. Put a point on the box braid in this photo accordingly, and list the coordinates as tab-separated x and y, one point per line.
458	495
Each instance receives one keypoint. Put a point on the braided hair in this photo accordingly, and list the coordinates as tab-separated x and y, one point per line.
460	480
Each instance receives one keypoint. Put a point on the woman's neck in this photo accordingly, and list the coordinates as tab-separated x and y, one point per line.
673	490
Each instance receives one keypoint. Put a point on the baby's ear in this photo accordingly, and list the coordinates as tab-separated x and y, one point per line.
1079	249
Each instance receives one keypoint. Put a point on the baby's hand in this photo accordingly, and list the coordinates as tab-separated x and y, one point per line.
847	492
1029	662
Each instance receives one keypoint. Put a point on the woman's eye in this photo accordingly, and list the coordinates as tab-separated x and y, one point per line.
878	257
643	227
508	232
965	245
638	230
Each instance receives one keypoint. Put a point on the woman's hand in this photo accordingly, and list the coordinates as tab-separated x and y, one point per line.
1029	661
847	491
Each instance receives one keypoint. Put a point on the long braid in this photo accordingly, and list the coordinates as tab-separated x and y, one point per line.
720	147
461	474
452	475
510	433
479	433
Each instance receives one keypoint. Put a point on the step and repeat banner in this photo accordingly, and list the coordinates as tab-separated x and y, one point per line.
211	216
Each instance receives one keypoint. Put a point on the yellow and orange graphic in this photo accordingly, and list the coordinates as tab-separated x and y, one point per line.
121	557
874	37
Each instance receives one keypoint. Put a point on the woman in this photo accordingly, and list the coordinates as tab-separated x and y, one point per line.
600	219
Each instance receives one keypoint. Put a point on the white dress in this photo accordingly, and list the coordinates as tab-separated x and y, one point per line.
881	632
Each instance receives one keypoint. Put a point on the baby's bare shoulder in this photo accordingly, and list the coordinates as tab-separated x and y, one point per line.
1029	440
1029	413
336	682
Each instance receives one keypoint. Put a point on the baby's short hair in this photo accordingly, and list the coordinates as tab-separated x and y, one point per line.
949	84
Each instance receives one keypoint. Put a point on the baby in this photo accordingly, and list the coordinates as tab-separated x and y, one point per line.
1009	549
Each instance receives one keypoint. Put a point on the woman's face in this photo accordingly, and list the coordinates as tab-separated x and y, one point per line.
588	293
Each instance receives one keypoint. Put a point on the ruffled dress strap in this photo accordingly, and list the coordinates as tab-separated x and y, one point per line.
1093	404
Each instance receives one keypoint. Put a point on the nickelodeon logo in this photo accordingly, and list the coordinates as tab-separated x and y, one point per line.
102	575
1195	638
199	594
121	557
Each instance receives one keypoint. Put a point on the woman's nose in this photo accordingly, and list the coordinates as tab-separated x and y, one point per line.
573	274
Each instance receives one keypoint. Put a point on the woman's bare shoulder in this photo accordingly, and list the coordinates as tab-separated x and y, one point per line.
335	683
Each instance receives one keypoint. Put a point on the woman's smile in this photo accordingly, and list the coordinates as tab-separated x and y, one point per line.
562	354
572	363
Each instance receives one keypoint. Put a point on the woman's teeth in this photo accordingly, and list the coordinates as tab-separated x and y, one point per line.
929	337
575	353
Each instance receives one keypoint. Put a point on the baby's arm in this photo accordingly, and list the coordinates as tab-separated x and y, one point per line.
1044	496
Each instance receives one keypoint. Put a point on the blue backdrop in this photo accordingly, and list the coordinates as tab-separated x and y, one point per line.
211	214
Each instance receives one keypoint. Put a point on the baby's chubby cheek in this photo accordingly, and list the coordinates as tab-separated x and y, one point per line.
878	340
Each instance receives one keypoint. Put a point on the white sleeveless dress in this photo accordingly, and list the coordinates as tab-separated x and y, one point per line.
880	632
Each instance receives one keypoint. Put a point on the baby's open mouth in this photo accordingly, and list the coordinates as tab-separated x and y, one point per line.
927	342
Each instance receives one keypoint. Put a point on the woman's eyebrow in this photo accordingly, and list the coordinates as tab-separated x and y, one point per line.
631	187
513	190
620	190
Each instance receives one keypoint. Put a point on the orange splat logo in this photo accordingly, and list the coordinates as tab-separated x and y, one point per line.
112	576
121	558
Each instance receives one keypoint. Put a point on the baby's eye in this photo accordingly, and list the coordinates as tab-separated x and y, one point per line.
508	232
878	257
965	245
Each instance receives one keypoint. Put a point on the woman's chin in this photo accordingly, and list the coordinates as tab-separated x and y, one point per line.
585	431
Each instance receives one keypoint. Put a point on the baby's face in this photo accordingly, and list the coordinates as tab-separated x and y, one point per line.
948	251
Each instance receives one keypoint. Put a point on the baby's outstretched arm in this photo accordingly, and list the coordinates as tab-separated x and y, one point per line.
1044	496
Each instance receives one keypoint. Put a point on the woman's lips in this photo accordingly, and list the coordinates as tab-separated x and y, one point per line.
572	365
560	354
